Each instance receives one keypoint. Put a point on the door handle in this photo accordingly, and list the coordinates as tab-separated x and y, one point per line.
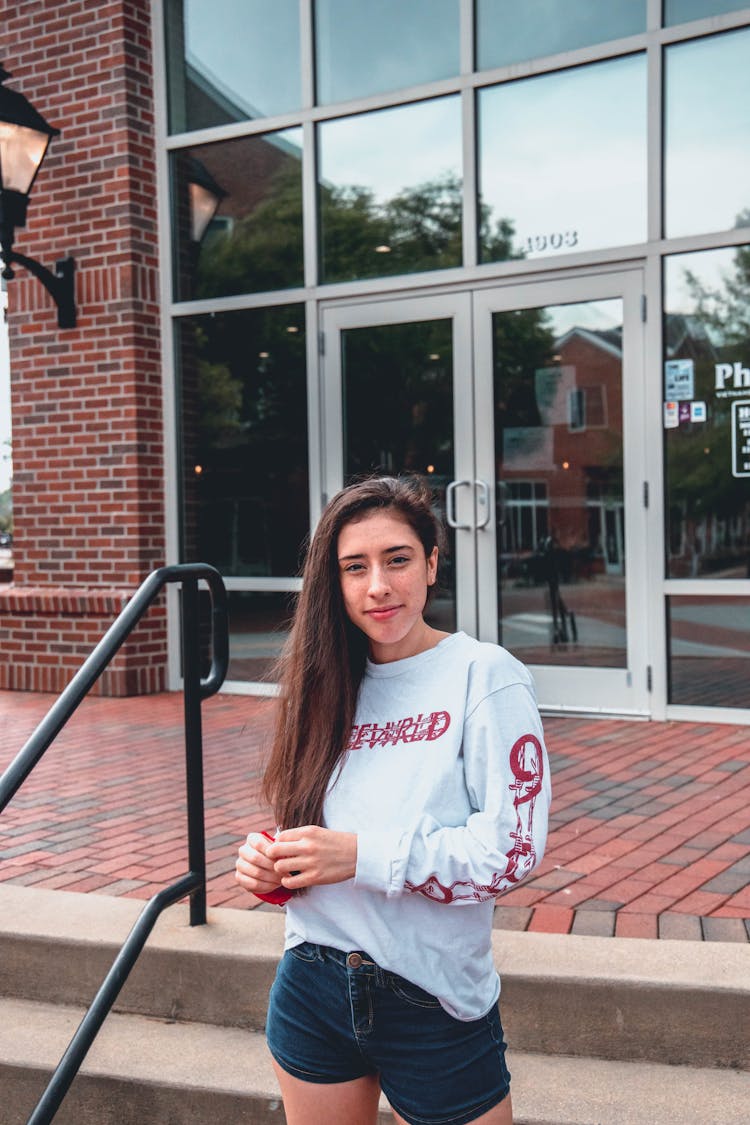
450	505
483	503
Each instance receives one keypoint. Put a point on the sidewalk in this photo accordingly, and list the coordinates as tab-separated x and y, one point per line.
649	837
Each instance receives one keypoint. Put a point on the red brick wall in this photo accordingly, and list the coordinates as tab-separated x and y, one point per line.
86	402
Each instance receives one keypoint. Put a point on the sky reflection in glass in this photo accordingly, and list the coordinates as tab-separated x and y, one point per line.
510	31
367	47
707	134
223	69
562	157
390	190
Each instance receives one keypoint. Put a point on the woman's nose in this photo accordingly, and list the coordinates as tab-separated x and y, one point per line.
379	583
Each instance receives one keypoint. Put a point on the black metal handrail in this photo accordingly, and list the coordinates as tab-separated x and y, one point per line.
195	690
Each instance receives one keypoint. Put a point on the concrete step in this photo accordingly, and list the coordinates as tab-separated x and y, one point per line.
143	1071
680	1003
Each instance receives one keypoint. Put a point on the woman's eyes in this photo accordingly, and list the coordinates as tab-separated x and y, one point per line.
396	560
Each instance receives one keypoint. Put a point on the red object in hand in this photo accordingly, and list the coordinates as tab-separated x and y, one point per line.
281	894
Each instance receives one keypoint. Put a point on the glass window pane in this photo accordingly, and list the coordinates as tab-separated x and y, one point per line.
510	31
681	11
707	134
390	191
562	161
560	518
706	391
238	216
231	60
258	627
366	47
243	403
398	418
709	651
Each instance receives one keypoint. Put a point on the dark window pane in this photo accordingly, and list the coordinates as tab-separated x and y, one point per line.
510	31
398	418
258	627
242	394
562	161
390	191
707	134
231	60
706	390
681	11
364	48
238	216
709	651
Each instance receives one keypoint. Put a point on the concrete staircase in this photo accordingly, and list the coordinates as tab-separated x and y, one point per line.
604	1031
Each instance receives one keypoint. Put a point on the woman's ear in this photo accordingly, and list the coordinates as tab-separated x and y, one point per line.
432	564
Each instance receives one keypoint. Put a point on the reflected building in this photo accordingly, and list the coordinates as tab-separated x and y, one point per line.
508	253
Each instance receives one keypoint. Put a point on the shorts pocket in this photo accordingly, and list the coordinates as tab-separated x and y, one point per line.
412	993
305	951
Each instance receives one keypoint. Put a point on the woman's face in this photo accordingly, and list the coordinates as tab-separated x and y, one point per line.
384	578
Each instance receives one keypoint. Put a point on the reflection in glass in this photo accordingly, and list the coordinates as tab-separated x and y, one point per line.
707	379
707	134
398	418
258	628
242	395
562	158
709	651
363	48
510	31
230	60
390	191
681	11
560	512
251	189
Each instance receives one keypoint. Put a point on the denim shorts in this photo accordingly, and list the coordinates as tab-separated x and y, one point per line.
334	1017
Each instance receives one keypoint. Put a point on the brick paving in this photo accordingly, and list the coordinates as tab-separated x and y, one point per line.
649	835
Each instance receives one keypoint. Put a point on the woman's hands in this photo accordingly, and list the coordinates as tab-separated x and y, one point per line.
315	855
254	871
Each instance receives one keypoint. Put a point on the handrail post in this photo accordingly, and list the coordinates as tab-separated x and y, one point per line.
191	673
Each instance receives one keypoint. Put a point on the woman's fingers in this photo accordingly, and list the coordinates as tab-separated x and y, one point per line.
310	855
254	871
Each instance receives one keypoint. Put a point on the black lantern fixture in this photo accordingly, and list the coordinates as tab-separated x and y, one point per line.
24	138
205	196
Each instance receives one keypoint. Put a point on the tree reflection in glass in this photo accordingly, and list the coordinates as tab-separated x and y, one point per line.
707	327
389	191
242	394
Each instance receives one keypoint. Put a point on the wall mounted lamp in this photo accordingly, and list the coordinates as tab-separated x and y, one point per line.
205	197
24	138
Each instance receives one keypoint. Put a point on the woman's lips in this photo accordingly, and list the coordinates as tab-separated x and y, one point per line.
384	614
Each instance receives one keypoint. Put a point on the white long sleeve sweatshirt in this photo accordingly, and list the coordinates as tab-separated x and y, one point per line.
446	784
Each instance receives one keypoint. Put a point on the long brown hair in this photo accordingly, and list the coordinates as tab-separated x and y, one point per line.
323	662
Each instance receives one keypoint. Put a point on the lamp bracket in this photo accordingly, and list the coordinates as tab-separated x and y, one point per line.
60	284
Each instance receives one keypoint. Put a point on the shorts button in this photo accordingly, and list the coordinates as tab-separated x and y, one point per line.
354	960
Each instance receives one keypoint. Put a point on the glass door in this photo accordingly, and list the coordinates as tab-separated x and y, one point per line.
398	400
517	404
561	558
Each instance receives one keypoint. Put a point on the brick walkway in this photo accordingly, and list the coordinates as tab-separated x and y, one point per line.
650	833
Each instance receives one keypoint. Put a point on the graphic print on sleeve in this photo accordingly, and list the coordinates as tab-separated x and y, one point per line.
527	767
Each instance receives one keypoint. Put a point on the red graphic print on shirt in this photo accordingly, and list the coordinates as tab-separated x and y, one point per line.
527	767
420	729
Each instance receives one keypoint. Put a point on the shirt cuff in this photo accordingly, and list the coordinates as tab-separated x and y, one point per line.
379	861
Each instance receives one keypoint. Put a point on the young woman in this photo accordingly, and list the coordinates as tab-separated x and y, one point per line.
409	779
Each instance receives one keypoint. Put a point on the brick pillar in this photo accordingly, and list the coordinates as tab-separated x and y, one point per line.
87	402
